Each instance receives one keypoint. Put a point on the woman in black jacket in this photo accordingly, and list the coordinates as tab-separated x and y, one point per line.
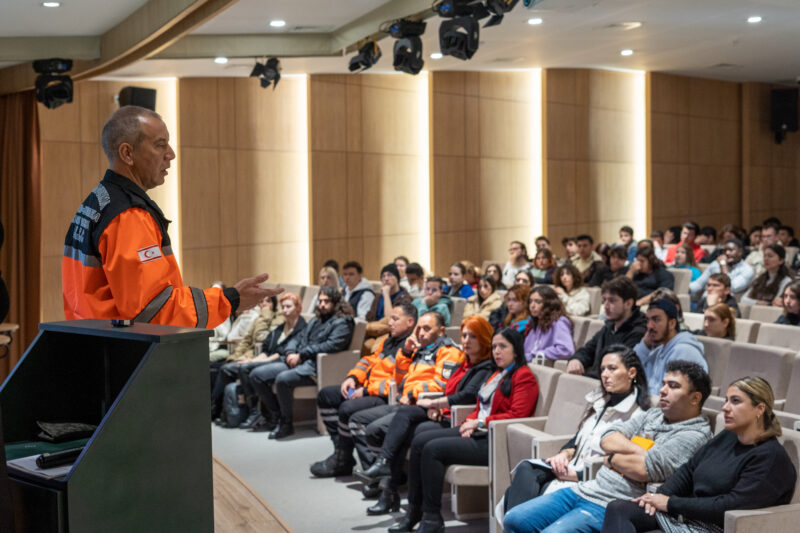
743	467
461	389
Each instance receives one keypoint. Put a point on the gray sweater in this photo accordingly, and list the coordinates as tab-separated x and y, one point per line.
674	445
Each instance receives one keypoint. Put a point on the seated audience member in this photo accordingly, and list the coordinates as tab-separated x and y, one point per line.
622	395
625	324
791	305
684	258
366	385
516	301
586	258
458	286
517	260
333	264
268	319
719	321
664	343
511	392
426	360
718	290
274	349
328	277
415	280
549	333
649	274
754	237
768	286
743	467
657	238
330	331
569	286
524	278
391	295
769	235
643	449
429	413
672	236
485	301
617	259
570	247
401	262
786	236
434	300
544	265
688	234
740	273
603	249
542	243
728	231
357	290
670	295
626	242
496	272
706	235
472	275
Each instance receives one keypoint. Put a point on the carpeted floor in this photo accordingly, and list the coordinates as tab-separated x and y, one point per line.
278	472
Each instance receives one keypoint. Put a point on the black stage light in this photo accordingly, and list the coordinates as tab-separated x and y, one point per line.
268	73
407	28
53	87
408	47
454	8
367	55
498	8
459	37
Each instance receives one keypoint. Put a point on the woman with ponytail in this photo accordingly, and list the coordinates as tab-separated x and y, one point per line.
510	392
743	467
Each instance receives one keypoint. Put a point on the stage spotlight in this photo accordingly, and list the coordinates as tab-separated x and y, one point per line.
367	55
408	47
268	73
53	87
459	37
498	8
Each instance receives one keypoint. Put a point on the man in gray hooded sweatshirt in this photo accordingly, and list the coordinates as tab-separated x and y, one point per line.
675	431
663	343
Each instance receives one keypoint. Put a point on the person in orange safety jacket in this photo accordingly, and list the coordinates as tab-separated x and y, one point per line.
118	261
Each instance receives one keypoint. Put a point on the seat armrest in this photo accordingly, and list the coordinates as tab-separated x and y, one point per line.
780	404
591	466
333	367
561	365
715	391
392	392
458	413
778	518
544	447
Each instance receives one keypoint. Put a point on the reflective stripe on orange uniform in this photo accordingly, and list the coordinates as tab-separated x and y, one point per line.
375	371
427	373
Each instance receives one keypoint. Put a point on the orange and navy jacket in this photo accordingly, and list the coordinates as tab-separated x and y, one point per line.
375	371
118	263
427	369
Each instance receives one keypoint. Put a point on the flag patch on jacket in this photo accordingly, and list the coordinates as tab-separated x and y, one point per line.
149	254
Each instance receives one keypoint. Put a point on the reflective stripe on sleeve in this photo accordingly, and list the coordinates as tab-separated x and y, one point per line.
154	306
200	307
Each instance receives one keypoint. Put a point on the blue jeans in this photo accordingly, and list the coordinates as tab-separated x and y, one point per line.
560	511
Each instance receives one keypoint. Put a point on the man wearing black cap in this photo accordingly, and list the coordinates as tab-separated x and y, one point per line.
663	343
391	295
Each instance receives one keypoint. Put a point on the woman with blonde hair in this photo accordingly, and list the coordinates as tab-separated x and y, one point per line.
743	467
485	300
327	278
461	388
719	321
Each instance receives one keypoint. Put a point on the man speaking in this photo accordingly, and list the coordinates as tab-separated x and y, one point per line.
118	262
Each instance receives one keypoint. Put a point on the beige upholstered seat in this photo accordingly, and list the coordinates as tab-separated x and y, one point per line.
683	276
595	300
297	289
308	297
765	313
693	321
746	330
579	326
458	311
717	353
780	335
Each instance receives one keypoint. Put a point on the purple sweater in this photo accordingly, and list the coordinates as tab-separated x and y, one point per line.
556	343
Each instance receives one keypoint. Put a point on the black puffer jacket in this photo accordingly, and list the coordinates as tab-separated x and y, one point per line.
322	335
629	334
273	345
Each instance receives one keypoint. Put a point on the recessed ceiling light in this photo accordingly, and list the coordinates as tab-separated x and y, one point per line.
535	21
220	60
51	4
436	55
754	19
277	23
626	52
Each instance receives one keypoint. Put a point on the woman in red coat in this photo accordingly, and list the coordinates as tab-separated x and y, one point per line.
510	392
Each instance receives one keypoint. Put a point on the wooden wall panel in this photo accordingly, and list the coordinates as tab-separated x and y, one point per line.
591	163
241	200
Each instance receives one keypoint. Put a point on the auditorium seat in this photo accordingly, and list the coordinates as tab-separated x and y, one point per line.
291	287
595	300
458	310
765	313
683	276
780	517
685	301
717	353
779	335
595	325
579	326
772	364
791	251
746	330
487	262
308	297
332	369
693	321
744	310
454	332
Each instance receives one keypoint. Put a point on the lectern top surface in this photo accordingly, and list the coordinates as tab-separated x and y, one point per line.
139	332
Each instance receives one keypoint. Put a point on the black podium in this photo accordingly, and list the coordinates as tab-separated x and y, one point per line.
147	467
